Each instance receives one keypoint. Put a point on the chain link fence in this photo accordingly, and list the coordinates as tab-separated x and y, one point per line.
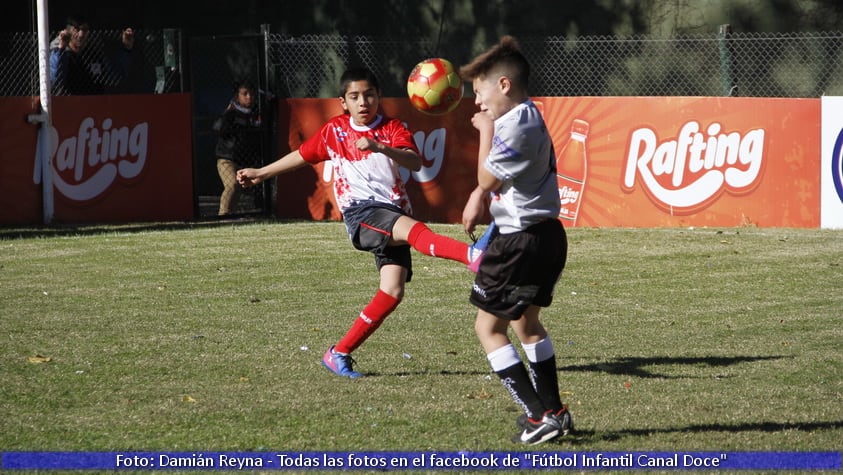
722	64
311	65
152	66
738	64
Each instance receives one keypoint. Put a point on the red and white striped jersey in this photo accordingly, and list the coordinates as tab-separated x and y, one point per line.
361	174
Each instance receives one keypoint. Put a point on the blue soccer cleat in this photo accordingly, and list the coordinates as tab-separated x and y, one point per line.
339	364
476	250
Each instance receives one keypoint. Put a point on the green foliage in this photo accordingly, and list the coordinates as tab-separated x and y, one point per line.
210	338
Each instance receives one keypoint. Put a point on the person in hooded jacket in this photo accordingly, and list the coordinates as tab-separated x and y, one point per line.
239	144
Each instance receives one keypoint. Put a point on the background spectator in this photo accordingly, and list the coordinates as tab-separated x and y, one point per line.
80	66
239	142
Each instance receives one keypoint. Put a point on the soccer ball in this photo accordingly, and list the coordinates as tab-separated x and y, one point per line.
434	87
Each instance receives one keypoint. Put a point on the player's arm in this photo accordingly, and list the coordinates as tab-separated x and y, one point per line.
486	126
478	201
474	209
252	176
405	157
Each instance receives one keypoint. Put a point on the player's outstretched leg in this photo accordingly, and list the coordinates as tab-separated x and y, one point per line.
429	243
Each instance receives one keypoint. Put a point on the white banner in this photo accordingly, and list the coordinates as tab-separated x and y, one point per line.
831	204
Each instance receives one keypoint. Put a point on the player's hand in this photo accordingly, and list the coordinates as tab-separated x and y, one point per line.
367	143
247	177
474	209
481	121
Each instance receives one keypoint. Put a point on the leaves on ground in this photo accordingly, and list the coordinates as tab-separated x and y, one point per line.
37	359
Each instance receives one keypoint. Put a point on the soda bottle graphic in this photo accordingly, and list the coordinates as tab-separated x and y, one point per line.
571	169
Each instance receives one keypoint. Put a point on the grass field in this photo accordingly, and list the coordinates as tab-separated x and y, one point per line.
208	337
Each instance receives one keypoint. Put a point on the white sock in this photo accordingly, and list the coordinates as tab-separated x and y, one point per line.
539	351
503	358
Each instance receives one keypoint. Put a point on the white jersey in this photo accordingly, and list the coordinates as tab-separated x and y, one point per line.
522	157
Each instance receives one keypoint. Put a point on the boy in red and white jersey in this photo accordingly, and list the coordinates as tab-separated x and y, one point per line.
365	149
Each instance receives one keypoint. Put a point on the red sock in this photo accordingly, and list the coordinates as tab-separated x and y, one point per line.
381	305
431	244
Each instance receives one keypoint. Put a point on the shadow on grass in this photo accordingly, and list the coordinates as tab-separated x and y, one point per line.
620	366
590	436
639	367
430	373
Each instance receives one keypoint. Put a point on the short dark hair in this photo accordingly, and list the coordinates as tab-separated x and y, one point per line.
244	83
77	22
504	57
358	74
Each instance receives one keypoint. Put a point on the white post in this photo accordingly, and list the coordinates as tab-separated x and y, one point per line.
45	117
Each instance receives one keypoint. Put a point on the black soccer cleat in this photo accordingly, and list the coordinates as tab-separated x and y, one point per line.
566	421
536	432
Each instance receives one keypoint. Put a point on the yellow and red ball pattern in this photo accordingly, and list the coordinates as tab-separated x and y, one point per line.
434	87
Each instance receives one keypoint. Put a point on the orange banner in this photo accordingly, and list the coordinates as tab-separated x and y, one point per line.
115	159
20	201
694	161
622	161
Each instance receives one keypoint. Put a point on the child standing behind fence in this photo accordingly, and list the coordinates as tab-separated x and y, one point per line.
239	142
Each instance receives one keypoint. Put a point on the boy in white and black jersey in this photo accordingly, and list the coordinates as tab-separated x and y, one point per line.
516	277
365	150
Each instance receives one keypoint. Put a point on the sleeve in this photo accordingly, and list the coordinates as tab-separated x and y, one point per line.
55	56
401	137
223	124
58	70
314	149
506	159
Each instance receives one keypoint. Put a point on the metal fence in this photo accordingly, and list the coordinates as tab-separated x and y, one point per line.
741	64
153	66
737	64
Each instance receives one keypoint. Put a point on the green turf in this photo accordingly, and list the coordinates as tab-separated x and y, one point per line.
208	337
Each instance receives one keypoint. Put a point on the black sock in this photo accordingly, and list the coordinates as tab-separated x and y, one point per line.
546	382
516	380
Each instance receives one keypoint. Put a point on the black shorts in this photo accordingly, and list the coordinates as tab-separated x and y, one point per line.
521	269
369	224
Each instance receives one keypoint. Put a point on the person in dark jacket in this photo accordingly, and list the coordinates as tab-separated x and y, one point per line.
69	71
81	65
239	142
